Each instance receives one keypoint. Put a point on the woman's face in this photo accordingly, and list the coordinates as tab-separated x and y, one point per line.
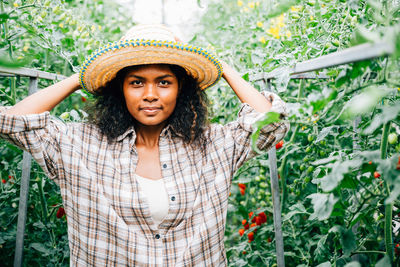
150	93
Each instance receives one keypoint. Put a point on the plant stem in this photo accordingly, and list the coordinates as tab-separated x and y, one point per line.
13	86
42	201
368	252
281	169
388	207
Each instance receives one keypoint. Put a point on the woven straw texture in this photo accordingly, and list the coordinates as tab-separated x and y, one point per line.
103	64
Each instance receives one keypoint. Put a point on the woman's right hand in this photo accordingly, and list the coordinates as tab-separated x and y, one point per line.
46	99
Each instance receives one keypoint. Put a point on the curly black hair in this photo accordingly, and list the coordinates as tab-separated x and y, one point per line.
188	120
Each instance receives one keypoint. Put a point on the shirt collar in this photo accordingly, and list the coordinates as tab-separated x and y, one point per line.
166	131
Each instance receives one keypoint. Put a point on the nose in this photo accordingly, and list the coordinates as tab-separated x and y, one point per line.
150	92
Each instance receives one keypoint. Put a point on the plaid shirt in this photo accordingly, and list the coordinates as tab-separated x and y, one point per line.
109	223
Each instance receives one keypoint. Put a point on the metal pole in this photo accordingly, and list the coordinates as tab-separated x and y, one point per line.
273	170
163	20
356	147
23	196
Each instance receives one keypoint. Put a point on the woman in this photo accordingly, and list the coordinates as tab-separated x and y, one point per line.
146	181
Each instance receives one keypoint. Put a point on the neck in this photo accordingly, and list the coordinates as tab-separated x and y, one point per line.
148	136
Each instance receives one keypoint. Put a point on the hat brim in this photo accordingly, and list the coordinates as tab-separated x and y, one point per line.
104	63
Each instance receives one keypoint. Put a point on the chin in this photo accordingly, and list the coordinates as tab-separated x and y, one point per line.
151	122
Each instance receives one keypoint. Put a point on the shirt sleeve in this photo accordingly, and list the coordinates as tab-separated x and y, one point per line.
237	134
38	134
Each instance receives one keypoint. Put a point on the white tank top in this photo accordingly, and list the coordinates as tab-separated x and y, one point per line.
157	197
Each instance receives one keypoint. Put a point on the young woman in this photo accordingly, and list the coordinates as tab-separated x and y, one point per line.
145	182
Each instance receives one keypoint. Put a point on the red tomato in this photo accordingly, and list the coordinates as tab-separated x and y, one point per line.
250	236
263	217
60	212
241	232
279	145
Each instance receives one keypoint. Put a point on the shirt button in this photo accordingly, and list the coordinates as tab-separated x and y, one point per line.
157	236
164	166
173	198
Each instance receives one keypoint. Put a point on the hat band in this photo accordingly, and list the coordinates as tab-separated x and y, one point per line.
144	42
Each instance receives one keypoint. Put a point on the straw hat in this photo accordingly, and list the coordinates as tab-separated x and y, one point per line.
148	44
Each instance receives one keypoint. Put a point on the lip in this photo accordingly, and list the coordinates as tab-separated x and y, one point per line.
150	110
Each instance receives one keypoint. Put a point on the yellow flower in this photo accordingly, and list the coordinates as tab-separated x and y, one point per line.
251	4
259	24
288	34
311	18
15	5
262	40
295	9
258	3
245	9
61	25
93	28
99	27
26	48
323	5
398	88
274	31
279	21
303	128
20	57
240	3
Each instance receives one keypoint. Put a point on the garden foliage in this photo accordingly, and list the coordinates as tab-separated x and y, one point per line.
339	165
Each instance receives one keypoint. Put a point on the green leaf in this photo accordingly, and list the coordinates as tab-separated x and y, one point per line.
321	249
295	209
323	205
349	183
246	77
282	7
348	242
339	168
41	248
324	132
366	101
324	264
5	62
384	262
353	264
347	239
388	113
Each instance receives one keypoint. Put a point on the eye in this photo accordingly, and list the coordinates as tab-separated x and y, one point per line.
135	82
165	83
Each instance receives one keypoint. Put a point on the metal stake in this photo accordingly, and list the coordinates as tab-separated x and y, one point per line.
23	196
273	170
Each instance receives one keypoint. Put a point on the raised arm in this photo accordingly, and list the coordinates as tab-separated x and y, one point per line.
46	99
246	93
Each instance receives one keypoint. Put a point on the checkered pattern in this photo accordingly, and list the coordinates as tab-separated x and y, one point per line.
109	223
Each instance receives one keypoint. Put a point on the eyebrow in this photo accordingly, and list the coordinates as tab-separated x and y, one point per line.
142	78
